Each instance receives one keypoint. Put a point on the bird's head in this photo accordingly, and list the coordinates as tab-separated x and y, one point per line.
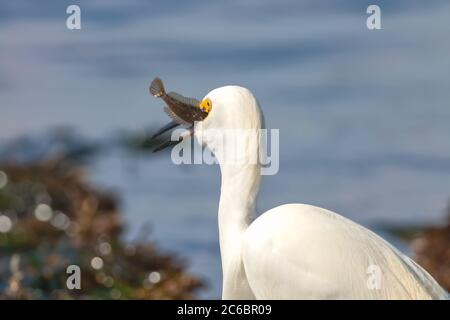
234	113
232	122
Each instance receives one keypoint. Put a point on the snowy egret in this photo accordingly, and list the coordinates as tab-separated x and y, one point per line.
294	251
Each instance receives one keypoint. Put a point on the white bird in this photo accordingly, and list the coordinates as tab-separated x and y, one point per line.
293	251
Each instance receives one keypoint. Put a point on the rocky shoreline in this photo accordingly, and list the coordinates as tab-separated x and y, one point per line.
50	218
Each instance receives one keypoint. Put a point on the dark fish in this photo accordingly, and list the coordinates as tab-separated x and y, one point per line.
181	109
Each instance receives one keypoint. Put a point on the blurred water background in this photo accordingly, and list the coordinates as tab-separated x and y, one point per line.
363	115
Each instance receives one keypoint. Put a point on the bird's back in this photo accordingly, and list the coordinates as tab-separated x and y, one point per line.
299	251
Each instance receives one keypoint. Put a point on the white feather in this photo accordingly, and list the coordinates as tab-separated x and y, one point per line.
294	251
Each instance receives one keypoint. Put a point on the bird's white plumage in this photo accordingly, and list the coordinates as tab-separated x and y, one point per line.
331	258
294	251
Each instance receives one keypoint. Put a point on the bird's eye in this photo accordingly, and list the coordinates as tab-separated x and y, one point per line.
206	105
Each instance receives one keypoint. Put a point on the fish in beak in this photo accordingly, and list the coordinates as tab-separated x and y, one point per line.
183	111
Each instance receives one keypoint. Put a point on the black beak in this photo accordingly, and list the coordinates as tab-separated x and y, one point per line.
169	142
166	144
167	127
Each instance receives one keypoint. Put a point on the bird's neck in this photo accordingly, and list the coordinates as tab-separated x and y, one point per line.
238	156
239	190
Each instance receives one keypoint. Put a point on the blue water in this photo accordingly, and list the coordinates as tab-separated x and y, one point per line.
363	115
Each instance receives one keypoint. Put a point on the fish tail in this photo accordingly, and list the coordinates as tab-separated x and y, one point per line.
157	88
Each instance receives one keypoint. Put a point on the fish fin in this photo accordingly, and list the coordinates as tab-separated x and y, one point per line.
157	88
174	117
190	101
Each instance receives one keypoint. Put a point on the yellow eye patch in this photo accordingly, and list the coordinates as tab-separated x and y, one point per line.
206	105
